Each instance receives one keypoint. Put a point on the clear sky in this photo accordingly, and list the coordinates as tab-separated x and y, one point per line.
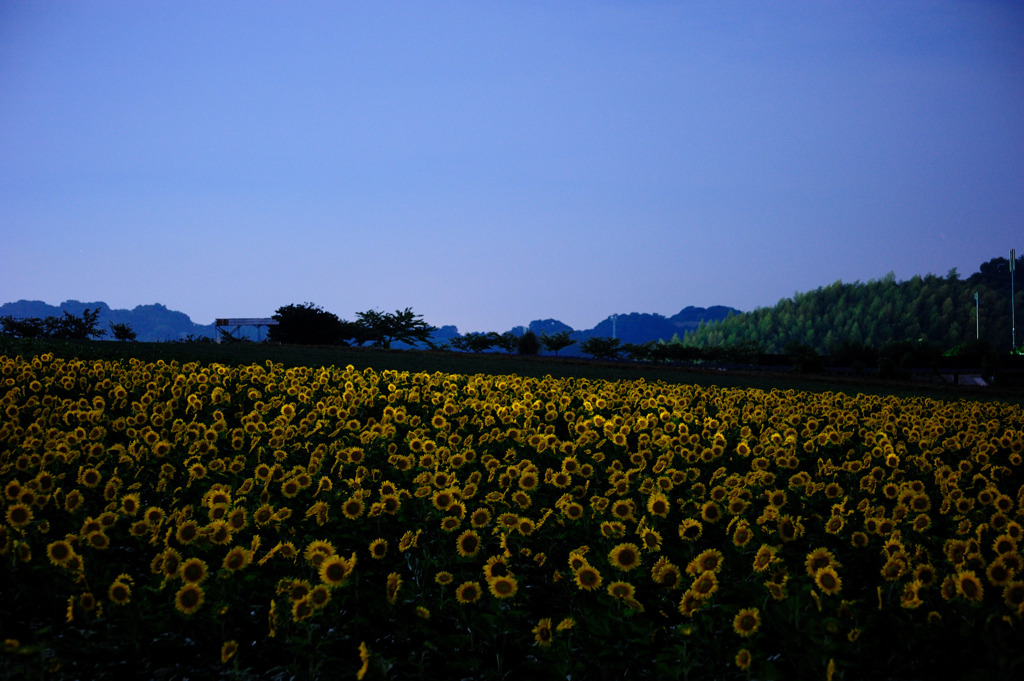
491	163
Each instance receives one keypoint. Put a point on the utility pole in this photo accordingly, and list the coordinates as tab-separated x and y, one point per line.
1013	311
977	316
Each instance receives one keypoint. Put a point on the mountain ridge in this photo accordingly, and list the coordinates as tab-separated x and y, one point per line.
155	322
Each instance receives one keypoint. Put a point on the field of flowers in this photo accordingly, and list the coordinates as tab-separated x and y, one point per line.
167	520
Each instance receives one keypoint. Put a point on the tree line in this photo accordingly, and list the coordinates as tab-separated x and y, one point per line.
65	327
939	311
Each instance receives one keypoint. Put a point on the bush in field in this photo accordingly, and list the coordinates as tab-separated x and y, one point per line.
601	347
475	342
305	324
528	343
384	328
556	341
122	332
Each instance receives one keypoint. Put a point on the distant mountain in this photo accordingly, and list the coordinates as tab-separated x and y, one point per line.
157	323
153	323
634	327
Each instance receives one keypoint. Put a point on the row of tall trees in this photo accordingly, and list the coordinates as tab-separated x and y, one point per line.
937	310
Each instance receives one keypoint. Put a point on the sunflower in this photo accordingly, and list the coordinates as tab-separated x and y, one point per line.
651	539
194	571
690	603
819	558
468	544
59	552
828	580
442	499
690	529
450	523
658	504
666	573
522	498
623	509
189	598
18	515
621	590
443	577
625	557
468	592
317	550
998	573
743	658
334	569
789	528
319	596
393	585
378	548
710	559
910	599
764	557
1004	543
353	507
73	501
364	659
237	559
969	586
302	609
187	532
1013	596
120	592
409	540
130	504
747	622
228	650
98	540
705	584
154	516
742	535
481	517
503	587
495	567
237	519
542	632
710	512
390	503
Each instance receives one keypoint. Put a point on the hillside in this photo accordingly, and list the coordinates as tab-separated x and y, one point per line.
635	327
157	323
153	323
939	311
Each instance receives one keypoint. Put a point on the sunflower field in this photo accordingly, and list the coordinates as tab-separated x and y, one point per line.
171	520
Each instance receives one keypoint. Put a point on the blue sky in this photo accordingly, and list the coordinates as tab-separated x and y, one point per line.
492	163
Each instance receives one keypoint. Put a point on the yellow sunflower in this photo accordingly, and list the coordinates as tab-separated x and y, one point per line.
334	569
189	598
625	557
194	571
503	587
468	544
228	650
828	580
747	622
542	632
621	590
468	592
969	586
